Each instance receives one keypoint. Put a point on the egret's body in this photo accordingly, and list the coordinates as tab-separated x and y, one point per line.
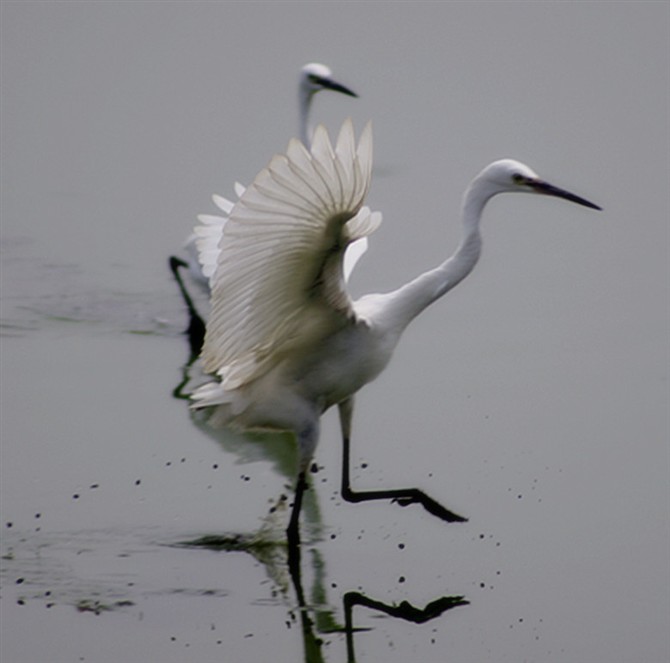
284	337
294	393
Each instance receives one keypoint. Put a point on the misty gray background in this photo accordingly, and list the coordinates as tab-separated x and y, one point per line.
533	399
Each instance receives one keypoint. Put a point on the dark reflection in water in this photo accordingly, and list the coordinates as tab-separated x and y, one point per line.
404	610
282	557
318	619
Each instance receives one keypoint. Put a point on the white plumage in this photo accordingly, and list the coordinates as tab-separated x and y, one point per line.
278	292
285	239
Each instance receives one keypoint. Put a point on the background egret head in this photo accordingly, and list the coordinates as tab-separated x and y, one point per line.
313	78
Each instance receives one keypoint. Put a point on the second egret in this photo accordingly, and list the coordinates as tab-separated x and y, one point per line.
314	77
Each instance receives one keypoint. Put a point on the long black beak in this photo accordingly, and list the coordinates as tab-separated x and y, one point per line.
551	190
329	84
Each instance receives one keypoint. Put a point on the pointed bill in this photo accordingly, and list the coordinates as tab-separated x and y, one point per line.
547	189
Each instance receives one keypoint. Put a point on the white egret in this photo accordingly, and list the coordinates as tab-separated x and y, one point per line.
284	338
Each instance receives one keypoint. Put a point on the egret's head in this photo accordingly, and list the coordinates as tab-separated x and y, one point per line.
315	77
508	175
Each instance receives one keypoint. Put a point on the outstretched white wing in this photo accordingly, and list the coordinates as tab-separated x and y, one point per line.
278	284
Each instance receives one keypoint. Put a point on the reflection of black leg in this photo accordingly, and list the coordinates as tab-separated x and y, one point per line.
402	496
311	640
196	326
404	610
293	530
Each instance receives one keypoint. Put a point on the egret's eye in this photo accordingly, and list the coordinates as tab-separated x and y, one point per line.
517	178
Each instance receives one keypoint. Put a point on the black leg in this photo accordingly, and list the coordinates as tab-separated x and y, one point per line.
196	325
403	496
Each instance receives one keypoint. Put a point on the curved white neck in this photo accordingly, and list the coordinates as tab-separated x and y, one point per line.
404	304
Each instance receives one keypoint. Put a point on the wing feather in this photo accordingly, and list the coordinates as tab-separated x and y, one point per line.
278	284
223	204
207	236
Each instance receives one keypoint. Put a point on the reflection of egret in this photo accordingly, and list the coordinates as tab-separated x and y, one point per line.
284	337
314	77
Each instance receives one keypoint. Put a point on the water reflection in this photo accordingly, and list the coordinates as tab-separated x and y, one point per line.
282	558
404	610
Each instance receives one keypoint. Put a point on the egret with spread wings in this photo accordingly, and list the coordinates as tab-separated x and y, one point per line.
284	338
